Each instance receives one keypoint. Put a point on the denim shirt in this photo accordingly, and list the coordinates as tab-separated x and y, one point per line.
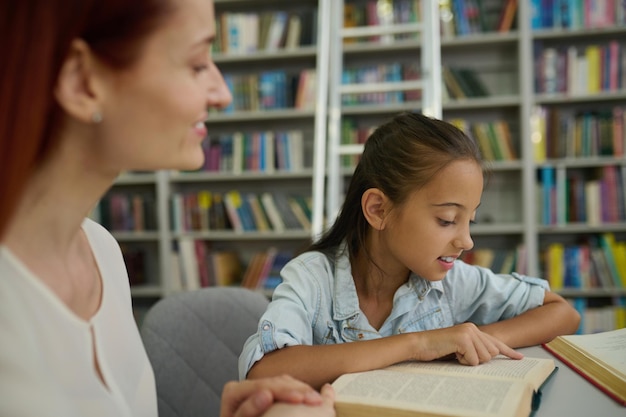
317	304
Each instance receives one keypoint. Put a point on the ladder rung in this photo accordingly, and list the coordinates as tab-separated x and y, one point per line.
354	149
381	87
362	31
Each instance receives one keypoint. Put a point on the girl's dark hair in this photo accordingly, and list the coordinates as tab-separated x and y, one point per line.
35	37
400	157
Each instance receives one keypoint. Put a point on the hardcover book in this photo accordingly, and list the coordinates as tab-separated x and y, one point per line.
599	357
501	387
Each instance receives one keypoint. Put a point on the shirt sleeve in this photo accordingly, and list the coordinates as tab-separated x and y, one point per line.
290	316
481	296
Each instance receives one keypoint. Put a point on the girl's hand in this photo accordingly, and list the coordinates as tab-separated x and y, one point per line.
252	398
466	341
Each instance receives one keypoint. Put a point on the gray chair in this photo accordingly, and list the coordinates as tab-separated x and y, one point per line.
193	341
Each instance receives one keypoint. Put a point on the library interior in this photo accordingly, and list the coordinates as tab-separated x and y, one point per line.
541	88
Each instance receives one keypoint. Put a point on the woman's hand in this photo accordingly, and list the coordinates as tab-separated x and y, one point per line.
252	398
325	409
466	341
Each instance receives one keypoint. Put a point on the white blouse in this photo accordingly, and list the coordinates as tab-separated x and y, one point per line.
46	351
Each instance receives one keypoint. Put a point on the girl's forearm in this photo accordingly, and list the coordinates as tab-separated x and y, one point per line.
317	365
539	325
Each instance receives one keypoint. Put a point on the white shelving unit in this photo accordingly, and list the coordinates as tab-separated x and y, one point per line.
508	216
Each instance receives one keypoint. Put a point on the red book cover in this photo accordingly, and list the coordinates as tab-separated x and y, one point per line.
588	377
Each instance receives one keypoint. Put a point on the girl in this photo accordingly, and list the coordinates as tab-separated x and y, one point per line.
89	89
387	274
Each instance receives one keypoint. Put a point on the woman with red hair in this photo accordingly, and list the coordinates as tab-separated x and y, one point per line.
89	89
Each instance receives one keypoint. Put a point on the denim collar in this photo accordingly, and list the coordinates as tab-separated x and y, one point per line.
345	299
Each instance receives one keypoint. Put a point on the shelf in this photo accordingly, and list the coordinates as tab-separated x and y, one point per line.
357	48
132	236
227	235
251	4
582	162
592	292
250	116
136	178
205	176
146	291
276	55
490	39
496	228
584	33
564	98
574	228
490	102
378	108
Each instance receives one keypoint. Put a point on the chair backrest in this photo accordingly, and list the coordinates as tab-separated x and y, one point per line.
193	341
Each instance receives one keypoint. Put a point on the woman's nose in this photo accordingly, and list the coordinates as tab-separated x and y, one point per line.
219	95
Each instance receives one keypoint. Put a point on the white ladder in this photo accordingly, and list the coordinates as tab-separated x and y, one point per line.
430	86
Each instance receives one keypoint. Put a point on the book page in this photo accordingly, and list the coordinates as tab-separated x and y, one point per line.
607	347
534	370
434	394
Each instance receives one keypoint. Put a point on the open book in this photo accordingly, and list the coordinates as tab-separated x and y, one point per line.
500	388
598	357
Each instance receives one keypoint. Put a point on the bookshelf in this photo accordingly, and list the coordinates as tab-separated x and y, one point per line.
505	61
270	56
582	157
529	202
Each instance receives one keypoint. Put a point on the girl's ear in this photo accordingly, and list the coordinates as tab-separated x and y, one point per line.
375	206
78	89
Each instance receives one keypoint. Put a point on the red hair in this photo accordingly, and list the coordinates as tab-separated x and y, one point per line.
35	36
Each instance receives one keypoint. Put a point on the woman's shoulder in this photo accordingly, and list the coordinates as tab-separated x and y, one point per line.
96	230
99	236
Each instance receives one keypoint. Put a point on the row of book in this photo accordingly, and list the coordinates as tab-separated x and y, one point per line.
598	263
558	133
271	90
240	211
119	211
244	33
493	137
577	14
258	151
468	17
592	197
600	318
135	260
579	69
263	271
196	264
500	261
381	13
463	83
390	72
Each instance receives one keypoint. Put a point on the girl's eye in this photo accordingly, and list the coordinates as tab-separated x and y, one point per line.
472	222
443	222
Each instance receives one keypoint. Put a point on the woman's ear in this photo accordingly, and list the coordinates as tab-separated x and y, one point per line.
78	88
375	206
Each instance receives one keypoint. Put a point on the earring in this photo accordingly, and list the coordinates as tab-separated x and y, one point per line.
96	117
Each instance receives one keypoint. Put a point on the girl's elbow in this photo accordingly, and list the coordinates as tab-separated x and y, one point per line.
573	320
569	317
